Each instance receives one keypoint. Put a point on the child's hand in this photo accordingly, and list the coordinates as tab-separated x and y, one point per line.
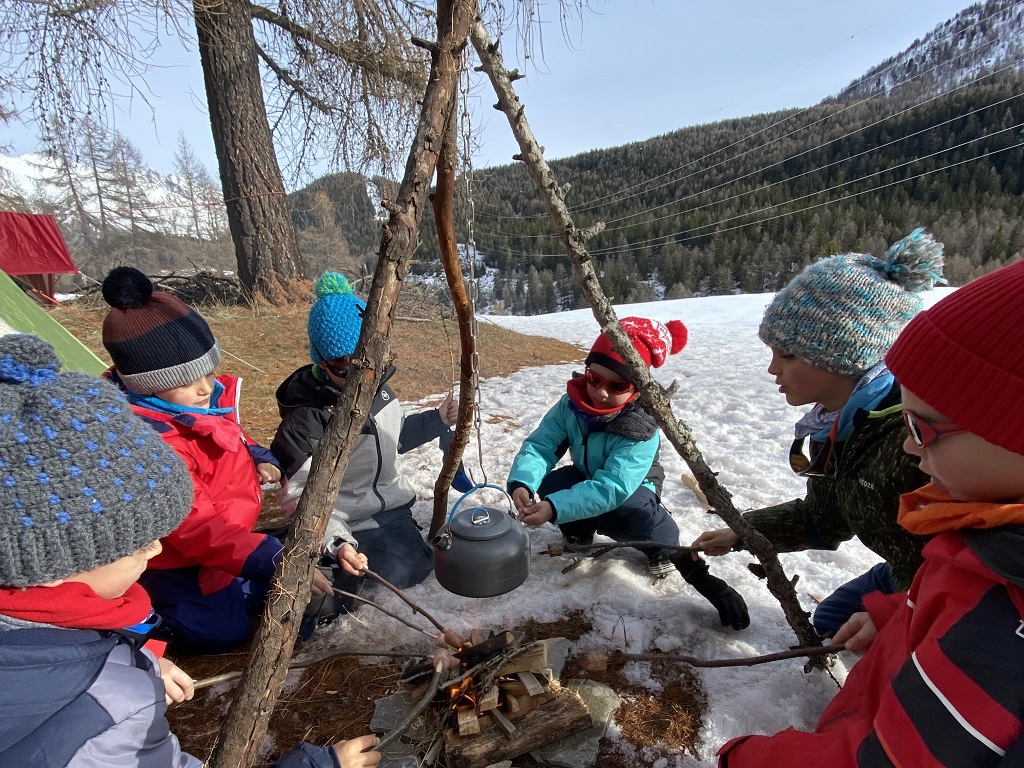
352	562
537	514
178	686
351	755
718	542
449	410
522	498
857	633
269	473
321	584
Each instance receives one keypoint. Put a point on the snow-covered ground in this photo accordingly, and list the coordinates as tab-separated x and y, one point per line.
743	427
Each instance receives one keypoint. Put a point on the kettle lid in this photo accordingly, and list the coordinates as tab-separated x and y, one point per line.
481	523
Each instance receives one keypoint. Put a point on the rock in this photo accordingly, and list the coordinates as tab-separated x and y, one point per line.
580	750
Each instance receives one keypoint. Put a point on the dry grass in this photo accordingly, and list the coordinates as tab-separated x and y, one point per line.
335	700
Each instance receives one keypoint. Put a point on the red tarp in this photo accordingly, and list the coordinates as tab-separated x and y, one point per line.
31	244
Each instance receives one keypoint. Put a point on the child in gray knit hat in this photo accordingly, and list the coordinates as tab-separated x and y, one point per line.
829	330
87	489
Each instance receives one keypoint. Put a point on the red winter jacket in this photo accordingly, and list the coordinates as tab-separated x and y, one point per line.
217	534
943	681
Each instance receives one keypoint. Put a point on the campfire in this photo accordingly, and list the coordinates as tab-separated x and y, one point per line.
502	701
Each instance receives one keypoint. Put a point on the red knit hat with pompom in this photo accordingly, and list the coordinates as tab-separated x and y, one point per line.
652	340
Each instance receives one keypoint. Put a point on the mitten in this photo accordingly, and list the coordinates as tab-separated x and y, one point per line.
732	609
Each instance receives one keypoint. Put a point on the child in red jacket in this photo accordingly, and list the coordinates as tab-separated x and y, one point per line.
214	571
942	683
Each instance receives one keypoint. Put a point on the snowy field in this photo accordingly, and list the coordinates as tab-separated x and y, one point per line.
743	427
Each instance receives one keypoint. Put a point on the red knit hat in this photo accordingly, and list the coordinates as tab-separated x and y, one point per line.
652	340
965	357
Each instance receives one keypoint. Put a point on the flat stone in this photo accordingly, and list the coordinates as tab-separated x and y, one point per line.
390	711
398	755
580	749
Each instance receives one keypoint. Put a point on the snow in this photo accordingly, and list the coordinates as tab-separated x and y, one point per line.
743	427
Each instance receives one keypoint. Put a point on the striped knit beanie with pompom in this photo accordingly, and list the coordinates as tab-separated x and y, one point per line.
157	342
336	319
842	313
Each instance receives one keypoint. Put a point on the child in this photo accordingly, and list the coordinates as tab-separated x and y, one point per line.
373	510
942	683
828	331
613	485
88	490
214	571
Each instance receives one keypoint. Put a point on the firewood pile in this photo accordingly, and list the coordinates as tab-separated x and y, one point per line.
504	701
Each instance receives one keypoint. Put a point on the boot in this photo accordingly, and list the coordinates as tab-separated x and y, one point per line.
732	609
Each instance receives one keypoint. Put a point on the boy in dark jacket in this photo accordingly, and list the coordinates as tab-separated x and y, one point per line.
373	510
214	572
88	491
613	485
829	330
942	683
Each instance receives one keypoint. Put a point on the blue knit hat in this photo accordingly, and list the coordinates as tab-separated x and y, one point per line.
842	313
335	320
83	481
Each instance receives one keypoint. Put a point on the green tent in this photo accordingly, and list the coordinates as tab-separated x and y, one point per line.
20	314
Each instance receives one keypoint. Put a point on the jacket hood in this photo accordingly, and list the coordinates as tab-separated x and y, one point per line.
1001	549
302	389
42	670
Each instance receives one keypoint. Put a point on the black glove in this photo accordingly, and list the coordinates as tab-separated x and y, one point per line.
732	609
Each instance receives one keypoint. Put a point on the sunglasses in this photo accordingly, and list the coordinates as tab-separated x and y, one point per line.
617	387
810	467
337	367
924	431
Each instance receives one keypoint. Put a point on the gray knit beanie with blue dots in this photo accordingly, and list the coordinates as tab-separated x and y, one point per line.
842	313
83	481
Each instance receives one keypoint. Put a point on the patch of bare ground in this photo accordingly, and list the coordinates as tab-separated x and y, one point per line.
334	700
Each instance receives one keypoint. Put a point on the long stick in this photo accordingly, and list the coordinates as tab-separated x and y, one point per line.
226	677
747	661
400	728
383	610
449	636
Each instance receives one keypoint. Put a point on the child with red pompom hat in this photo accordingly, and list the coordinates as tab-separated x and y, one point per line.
613	485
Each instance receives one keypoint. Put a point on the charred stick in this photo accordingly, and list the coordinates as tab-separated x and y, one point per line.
399	729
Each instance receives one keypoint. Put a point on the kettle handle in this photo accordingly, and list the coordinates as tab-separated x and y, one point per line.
476	488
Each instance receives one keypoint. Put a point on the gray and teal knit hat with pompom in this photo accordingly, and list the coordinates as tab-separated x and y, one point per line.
336	319
83	481
842	313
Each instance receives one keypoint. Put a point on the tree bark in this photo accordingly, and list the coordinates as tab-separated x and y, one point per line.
652	397
246	722
266	247
443	202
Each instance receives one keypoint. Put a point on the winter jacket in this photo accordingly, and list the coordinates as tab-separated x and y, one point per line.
217	533
857	496
89	699
373	481
942	683
617	457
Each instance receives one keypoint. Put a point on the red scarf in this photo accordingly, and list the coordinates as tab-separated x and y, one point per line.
931	510
74	605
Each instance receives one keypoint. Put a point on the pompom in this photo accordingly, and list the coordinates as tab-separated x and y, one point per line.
126	288
679	335
30	351
915	262
330	284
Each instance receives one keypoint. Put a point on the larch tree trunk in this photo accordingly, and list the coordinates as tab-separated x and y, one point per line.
246	722
266	247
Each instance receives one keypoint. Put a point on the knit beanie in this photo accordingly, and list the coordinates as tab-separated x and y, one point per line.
965	357
335	320
83	481
156	341
652	340
842	313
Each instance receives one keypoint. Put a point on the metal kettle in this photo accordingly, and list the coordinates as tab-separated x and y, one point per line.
481	551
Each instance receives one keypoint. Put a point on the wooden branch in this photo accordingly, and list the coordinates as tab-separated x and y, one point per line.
413	713
443	203
245	724
383	610
297	88
446	633
652	398
813	651
355	52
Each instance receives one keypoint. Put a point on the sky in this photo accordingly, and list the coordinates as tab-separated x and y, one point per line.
743	427
625	71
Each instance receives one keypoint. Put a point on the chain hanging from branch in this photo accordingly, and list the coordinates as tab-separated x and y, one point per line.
655	400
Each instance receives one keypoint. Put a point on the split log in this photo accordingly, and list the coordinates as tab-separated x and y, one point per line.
563	716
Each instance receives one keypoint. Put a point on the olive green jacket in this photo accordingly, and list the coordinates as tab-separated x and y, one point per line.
857	496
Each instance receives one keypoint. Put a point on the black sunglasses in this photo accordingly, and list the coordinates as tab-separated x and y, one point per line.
338	367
